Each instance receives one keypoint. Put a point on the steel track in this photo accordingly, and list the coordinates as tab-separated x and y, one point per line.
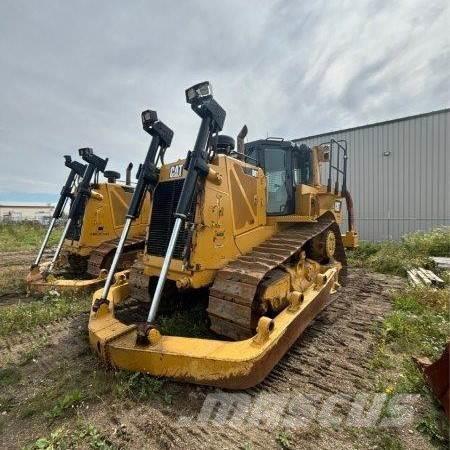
101	257
234	308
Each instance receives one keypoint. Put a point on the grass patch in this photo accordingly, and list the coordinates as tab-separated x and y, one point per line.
142	387
432	426
136	385
34	351
191	321
284	440
64	404
67	390
24	317
12	280
84	436
67	387
7	403
385	440
418	325
9	376
246	446
25	236
396	257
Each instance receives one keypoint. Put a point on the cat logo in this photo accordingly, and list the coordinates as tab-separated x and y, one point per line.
176	171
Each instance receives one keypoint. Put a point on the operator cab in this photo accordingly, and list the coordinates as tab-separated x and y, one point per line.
286	165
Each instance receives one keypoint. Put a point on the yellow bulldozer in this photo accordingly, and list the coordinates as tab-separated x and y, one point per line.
94	224
254	226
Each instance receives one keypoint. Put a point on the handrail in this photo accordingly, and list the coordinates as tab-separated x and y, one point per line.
341	146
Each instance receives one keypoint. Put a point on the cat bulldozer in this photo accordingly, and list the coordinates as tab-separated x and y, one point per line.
254	227
94	224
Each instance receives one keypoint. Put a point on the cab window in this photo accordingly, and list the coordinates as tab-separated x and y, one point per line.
275	167
302	165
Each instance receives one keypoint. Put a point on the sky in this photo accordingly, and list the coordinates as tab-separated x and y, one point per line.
78	74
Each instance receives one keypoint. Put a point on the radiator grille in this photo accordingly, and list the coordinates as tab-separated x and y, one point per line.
165	201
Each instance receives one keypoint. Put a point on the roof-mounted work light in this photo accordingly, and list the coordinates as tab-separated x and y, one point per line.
199	93
85	152
148	117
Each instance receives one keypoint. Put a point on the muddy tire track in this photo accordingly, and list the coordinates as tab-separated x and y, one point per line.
333	356
22	257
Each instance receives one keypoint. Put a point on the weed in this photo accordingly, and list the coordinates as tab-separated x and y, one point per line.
8	376
59	399
381	359
192	322
434	243
37	404
56	440
386	441
435	426
410	379
94	438
395	257
283	439
418	325
7	403
137	385
33	352
358	256
84	436
168	398
100	382
65	404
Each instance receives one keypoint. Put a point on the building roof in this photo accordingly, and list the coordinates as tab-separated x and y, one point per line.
26	205
385	122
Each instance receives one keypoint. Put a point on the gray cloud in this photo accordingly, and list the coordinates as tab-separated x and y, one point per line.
77	74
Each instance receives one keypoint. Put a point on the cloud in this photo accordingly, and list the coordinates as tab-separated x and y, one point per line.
79	74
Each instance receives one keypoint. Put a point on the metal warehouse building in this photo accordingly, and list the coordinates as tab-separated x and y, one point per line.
398	173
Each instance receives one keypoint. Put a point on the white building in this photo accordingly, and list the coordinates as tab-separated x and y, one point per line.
16	211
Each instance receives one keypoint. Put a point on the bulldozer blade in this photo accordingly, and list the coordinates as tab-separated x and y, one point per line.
226	364
437	377
41	286
35	275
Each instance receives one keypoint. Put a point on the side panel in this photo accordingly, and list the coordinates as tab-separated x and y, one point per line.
104	218
229	220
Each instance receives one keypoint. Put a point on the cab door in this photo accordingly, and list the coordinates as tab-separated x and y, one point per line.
277	163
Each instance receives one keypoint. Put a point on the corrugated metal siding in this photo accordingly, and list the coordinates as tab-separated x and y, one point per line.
407	190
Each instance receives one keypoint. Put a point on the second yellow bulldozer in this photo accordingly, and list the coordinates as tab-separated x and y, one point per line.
253	225
94	224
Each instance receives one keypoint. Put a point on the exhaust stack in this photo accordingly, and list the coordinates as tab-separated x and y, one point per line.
240	140
128	174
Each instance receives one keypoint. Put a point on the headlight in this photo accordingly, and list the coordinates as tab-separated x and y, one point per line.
199	92
85	152
148	117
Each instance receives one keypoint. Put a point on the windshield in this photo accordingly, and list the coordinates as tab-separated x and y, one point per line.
276	170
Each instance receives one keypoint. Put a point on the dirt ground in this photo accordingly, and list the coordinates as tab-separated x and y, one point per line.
333	357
